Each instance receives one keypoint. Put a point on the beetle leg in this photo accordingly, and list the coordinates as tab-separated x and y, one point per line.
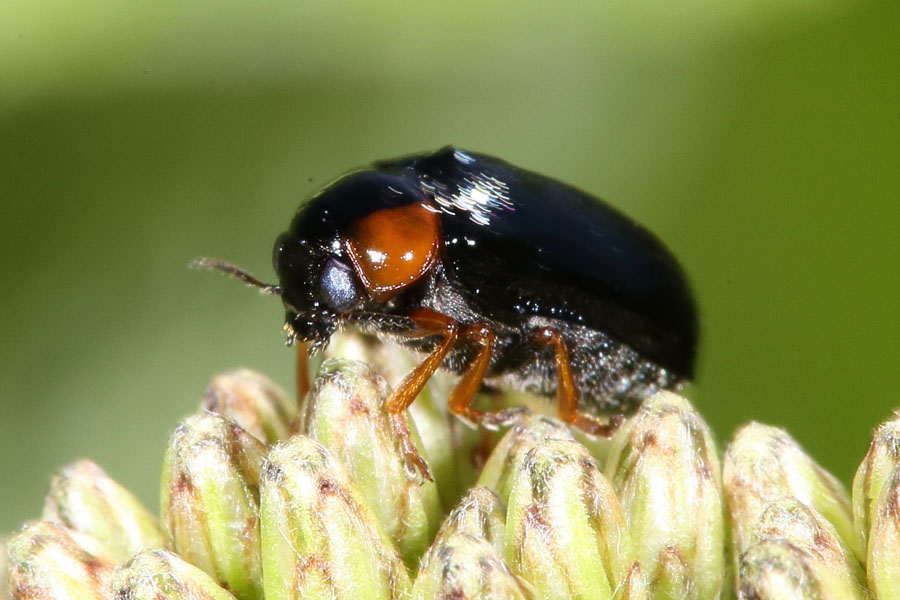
464	393
427	323
302	377
567	393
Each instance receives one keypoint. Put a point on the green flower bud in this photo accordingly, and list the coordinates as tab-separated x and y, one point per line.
445	442
778	570
344	412
824	554
47	560
319	537
253	401
565	530
161	575
465	567
480	513
634	586
506	459
665	469
880	461
84	498
210	500
883	561
764	463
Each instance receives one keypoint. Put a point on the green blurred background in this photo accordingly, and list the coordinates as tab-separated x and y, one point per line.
758	139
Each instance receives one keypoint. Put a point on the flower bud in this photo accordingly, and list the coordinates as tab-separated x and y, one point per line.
528	431
665	469
210	500
253	401
634	586
777	568
825	556
320	539
465	567
344	412
444	441
161	575
565	530
883	561
480	513
880	461
47	560
764	463
84	498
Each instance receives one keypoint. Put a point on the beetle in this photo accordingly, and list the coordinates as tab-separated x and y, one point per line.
504	276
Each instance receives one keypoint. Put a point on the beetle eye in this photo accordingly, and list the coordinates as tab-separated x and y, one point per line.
338	286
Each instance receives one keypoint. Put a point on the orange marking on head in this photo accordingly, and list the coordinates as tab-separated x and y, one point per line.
392	248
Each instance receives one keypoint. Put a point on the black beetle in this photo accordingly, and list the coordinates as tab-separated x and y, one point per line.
495	272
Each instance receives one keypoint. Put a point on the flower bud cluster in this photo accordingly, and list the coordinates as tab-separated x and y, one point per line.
260	500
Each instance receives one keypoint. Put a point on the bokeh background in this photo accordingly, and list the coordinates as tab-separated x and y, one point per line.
758	139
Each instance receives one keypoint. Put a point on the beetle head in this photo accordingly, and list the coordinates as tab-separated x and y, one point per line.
318	287
350	248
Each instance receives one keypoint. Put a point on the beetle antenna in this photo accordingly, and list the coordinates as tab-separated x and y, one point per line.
212	264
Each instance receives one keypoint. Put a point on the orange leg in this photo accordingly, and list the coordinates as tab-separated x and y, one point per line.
464	392
301	380
428	323
567	393
302	376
